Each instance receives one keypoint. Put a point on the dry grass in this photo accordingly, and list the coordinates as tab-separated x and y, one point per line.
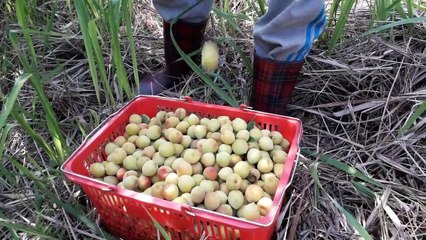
352	102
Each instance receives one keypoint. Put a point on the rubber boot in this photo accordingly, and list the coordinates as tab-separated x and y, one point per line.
273	84
189	37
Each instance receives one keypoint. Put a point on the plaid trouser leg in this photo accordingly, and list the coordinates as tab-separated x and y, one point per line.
273	84
189	37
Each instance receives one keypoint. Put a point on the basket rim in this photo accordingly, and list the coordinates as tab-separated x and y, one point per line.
123	192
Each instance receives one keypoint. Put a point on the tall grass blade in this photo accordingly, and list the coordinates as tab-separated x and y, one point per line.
342	166
28	173
201	73
349	217
410	121
394	24
113	17
11	229
51	120
262	8
341	22
246	61
11	98
34	135
3	137
25	228
81	217
363	189
22	14
93	32
49	24
128	6
9	102
196	68
229	17
158	226
83	18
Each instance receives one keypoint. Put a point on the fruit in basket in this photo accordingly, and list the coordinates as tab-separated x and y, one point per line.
142	141
208	185
157	189
210	173
171	122
193	119
120	140
170	191
192	156
111	180
227	136
135	118
244	184
171	178
180	200
186	183
253	155
184	168
111	168
200	131
211	201
264	205
225	209
149	151
120	174
180	113
242	168
154	132
233	181
234	159
198	194
97	170
141	161
239	147
132	129
279	156
243	134
265	165
270	183
266	144
254	175
278	169
167	149
223	197
130	182
144	182
253	193
235	199
130	173
219	164
150	168
198	178
239	124
209	146
250	212
223	159
225	172
130	162
164	171
187	197
109	147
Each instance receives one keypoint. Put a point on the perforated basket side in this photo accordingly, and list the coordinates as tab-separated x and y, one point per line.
128	205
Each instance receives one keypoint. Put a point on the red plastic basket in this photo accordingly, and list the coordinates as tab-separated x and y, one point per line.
124	212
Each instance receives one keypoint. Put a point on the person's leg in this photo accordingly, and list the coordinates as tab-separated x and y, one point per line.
282	38
188	33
